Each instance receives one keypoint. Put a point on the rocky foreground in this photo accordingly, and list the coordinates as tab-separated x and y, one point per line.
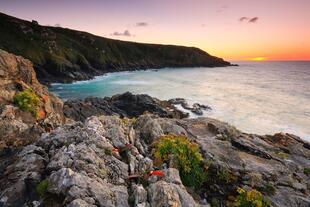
76	162
99	152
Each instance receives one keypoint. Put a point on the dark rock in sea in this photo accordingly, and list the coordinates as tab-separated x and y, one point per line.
124	105
58	58
196	108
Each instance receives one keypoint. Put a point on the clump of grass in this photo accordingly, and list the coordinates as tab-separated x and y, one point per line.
224	176
108	151
307	171
41	188
251	198
28	101
128	121
184	154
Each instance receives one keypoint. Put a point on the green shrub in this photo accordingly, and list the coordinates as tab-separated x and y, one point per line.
307	171
42	187
252	198
184	154
28	101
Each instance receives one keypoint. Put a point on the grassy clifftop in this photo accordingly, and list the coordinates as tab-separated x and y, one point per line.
64	55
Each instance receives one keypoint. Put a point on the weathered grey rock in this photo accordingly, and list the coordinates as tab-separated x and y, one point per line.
148	128
162	193
140	195
172	176
80	203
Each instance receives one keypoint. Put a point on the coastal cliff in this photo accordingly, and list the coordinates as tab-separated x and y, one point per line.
65	55
18	79
135	150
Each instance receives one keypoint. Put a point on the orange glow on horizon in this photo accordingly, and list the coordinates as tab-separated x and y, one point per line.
257	59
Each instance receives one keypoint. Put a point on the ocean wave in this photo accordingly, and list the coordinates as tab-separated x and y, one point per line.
130	82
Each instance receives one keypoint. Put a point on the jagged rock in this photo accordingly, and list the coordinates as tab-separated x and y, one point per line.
162	193
148	129
74	159
140	195
170	191
172	176
29	166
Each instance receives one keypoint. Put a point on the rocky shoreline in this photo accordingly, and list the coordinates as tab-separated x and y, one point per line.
100	152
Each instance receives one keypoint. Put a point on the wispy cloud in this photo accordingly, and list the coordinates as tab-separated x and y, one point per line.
253	20
222	8
142	24
243	19
125	33
248	19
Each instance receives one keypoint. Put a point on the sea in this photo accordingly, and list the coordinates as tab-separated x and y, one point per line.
256	97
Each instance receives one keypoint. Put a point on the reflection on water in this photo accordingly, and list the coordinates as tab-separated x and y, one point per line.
264	97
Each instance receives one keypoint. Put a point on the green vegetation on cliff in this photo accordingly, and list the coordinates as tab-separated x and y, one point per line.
179	152
41	188
28	101
63	55
251	198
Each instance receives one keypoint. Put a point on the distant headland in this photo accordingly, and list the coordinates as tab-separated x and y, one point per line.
65	55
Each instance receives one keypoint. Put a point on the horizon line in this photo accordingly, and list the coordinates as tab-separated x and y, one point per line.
275	60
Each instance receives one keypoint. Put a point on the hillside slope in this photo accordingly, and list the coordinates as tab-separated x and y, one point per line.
64	55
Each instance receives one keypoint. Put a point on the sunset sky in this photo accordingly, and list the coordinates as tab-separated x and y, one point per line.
232	29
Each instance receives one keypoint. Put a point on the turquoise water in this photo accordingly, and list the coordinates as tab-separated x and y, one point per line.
256	97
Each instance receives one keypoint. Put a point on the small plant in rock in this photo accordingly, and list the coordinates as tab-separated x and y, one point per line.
41	188
28	101
307	171
251	198
184	155
108	151
128	121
